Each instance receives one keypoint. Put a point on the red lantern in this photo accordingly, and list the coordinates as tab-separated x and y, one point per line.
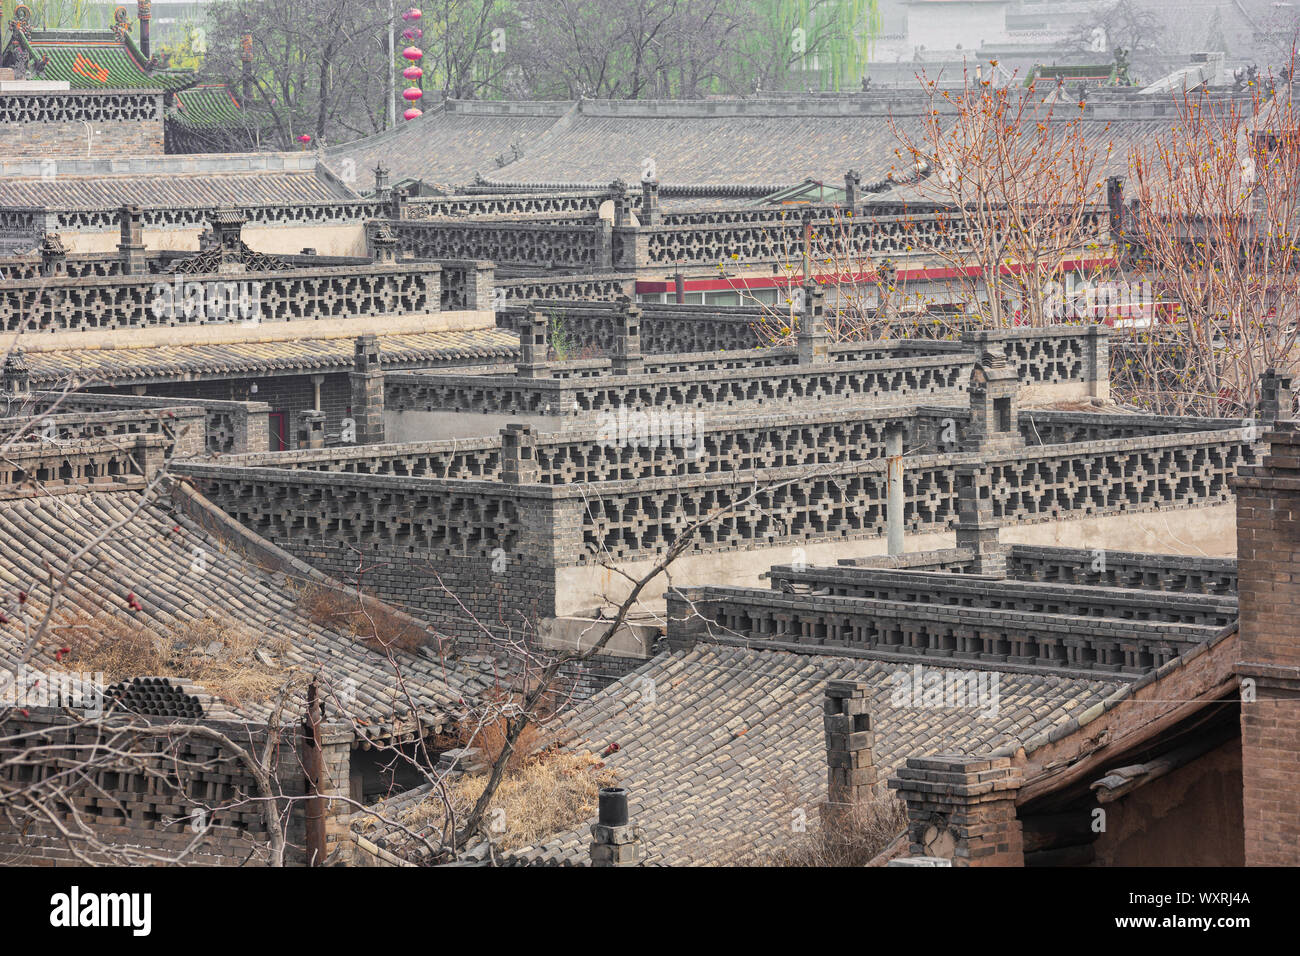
412	14
413	73
412	93
412	113
304	139
412	33
413	53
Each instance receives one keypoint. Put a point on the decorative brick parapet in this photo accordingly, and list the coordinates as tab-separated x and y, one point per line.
962	809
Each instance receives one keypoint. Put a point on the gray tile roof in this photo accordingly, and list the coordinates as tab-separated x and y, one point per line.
778	146
170	189
399	350
733	743
152	556
447	145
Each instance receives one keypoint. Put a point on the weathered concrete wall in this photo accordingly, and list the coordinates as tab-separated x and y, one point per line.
1190	817
1208	531
343	239
256	331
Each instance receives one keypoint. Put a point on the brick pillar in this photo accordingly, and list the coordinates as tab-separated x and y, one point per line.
994	398
381	182
519	456
685	627
311	429
628	359
1276	400
131	246
1268	569
812	341
604	244
650	202
54	255
367	380
397	204
977	530
534	346
850	766
618	195
886	279
15	380
962	809
381	244
852	181
1099	362
481	287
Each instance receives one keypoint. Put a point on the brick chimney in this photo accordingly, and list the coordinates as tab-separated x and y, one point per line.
850	764
614	840
1268	572
962	809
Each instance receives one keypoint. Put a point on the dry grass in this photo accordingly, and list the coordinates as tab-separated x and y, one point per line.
489	739
364	619
867	832
123	649
551	792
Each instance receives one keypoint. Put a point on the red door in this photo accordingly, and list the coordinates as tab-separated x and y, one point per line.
275	425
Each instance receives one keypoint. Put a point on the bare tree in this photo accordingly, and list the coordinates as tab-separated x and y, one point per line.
1212	233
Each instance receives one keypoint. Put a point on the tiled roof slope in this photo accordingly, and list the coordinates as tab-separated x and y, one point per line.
400	350
749	148
207	106
733	742
95	60
148	550
167	188
450	143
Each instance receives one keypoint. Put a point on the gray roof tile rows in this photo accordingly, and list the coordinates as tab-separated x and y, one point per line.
720	746
183	573
446	146
173	189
